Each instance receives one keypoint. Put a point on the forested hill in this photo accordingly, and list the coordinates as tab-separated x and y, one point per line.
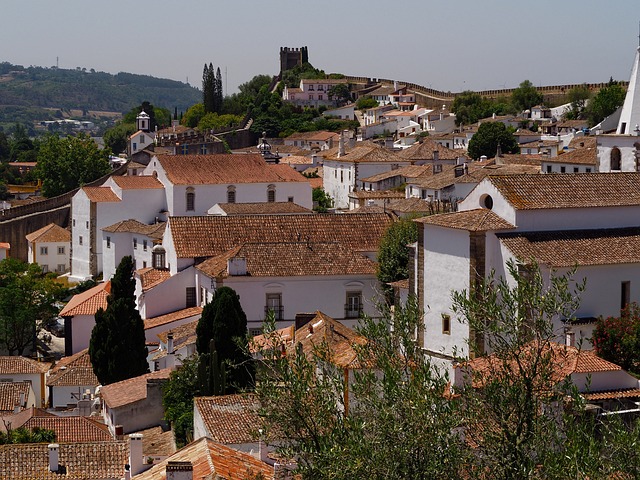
38	87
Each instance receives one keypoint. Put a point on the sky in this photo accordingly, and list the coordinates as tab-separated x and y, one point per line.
443	44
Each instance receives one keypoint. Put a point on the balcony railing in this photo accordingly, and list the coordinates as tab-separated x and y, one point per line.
352	311
277	311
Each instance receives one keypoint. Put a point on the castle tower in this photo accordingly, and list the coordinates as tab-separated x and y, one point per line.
143	121
292	57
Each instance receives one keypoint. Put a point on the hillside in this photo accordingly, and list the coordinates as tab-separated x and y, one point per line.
36	93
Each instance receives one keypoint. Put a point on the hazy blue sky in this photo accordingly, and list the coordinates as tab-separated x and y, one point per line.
445	44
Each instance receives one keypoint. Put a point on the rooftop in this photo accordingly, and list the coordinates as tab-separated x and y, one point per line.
22	365
478	220
131	390
230	419
155	230
101	194
137	182
262	208
74	370
172	317
88	302
50	233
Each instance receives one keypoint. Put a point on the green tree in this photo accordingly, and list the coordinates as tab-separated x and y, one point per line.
340	92
363	103
177	399
578	97
24	435
27	303
193	115
67	163
393	253
209	87
605	102
219	96
470	107
486	140
5	149
158	116
117	346
213	121
224	322
116	138
525	96
617	339
321	200
397	422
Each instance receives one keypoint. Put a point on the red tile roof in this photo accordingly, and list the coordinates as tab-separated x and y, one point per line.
262	208
71	429
22	365
565	248
152	277
155	230
157	442
192	236
137	182
225	169
230	419
172	317
10	395
88	303
50	233
570	190
132	390
75	370
478	220
213	460
367	152
101	194
288	259
424	151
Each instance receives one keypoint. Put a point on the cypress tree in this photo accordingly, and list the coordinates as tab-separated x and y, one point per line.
218	90
117	347
209	88
224	322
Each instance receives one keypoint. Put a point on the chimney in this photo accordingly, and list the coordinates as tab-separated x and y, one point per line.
436	156
179	471
135	454
170	343
54	457
171	358
237	266
341	145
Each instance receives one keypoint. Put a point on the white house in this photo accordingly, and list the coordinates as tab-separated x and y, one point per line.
320	140
588	220
71	379
312	92
21	369
16	397
49	247
143	137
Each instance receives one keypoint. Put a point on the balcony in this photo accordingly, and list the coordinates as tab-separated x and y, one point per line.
352	311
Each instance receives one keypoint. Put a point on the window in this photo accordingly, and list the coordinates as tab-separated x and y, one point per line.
615	158
623	127
549	169
135	146
625	294
353	307
87	225
588	170
274	304
45	268
231	194
135	243
191	199
141	138
74	222
144	245
44	250
290	199
184	149
255	331
446	324
310	97
60	250
271	193
80	240
576	169
563	169
203	149
144	264
320	89
61	268
190	297
108	242
320	97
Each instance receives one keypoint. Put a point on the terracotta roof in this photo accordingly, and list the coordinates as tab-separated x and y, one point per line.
317	136
213	460
172	317
157	442
579	156
367	152
373	194
583	142
288	259
424	151
50	233
474	174
225	169
339	340
101	194
22	365
132	390
295	160
521	159
88	303
15	420
95	460
137	182
152	277
72	429
155	230
400	283
75	370
478	220
565	361
612	394
10	395
180	333
409	205
409	171
192	236
230	419
565	248
262	208
570	190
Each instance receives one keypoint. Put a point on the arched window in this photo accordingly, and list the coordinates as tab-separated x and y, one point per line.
486	202
231	194
271	193
191	199
615	158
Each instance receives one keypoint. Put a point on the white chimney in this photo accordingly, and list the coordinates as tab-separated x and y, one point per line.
341	145
237	266
170	343
135	454
53	457
179	471
171	359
